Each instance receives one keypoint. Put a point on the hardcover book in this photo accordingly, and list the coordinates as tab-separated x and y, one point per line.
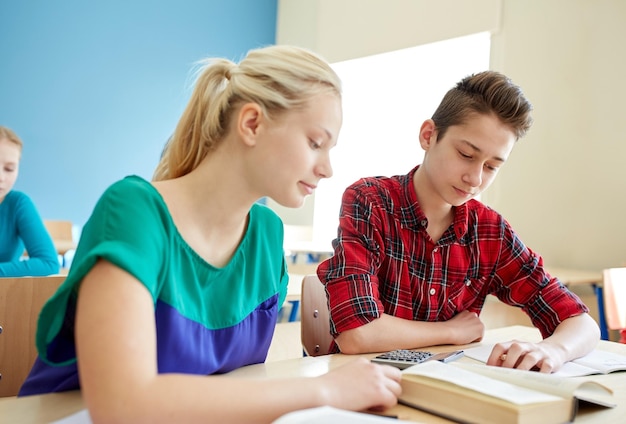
476	393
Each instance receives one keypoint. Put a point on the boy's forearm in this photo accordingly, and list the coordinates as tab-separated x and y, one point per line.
575	336
389	333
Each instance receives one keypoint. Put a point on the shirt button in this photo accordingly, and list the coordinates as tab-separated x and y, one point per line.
424	223
468	282
435	249
432	291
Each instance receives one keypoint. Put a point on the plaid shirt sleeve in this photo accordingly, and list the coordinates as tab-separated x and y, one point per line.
351	273
522	281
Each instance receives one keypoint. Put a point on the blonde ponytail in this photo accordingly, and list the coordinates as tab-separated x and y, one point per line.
277	78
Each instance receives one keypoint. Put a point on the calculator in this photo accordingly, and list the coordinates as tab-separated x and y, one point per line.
404	358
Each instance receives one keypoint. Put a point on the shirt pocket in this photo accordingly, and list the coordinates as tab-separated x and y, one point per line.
467	294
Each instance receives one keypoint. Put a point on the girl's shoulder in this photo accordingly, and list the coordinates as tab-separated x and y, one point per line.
131	192
132	184
16	196
17	201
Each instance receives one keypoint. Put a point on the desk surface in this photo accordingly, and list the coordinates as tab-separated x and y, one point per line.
310	366
46	408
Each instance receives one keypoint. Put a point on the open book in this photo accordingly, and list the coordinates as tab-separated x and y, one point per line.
596	362
476	393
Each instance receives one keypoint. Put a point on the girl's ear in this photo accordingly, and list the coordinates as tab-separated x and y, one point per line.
428	134
248	121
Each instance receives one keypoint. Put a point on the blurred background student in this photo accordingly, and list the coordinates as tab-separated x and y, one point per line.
21	226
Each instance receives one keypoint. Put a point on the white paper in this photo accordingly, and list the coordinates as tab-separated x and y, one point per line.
596	362
329	414
80	417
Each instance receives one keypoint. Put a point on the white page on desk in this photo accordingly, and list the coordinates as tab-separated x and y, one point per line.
81	417
604	361
329	414
569	369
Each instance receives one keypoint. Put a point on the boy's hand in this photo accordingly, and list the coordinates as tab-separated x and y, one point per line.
466	328
541	357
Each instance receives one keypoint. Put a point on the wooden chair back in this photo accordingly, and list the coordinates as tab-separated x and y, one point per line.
314	317
614	290
59	230
21	300
61	233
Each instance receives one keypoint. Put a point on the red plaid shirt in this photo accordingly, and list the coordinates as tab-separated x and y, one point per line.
385	262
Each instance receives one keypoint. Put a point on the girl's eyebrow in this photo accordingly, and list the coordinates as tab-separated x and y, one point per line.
329	135
326	131
478	150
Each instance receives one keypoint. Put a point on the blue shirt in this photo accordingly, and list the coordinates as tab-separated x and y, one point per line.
209	320
21	228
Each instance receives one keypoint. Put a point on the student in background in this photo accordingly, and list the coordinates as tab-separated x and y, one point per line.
416	255
21	227
181	278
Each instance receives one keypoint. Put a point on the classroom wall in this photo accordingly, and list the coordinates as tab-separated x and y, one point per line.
564	186
95	88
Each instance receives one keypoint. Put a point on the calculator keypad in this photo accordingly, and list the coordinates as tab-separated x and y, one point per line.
406	355
403	358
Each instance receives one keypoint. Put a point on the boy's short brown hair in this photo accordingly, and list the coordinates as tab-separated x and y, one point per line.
487	92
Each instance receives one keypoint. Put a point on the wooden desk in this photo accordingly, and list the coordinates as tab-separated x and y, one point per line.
313	366
40	409
21	300
45	408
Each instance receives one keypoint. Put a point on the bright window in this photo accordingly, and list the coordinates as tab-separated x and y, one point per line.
386	98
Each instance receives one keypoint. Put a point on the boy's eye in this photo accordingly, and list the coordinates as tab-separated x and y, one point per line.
464	155
314	144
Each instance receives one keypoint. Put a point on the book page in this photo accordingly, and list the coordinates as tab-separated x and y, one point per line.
569	369
590	391
464	378
606	362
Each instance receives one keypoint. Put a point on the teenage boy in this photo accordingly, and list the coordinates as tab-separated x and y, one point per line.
416	254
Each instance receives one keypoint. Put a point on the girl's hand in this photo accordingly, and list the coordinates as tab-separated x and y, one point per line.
361	384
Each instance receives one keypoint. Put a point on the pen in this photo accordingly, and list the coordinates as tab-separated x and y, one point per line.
447	356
